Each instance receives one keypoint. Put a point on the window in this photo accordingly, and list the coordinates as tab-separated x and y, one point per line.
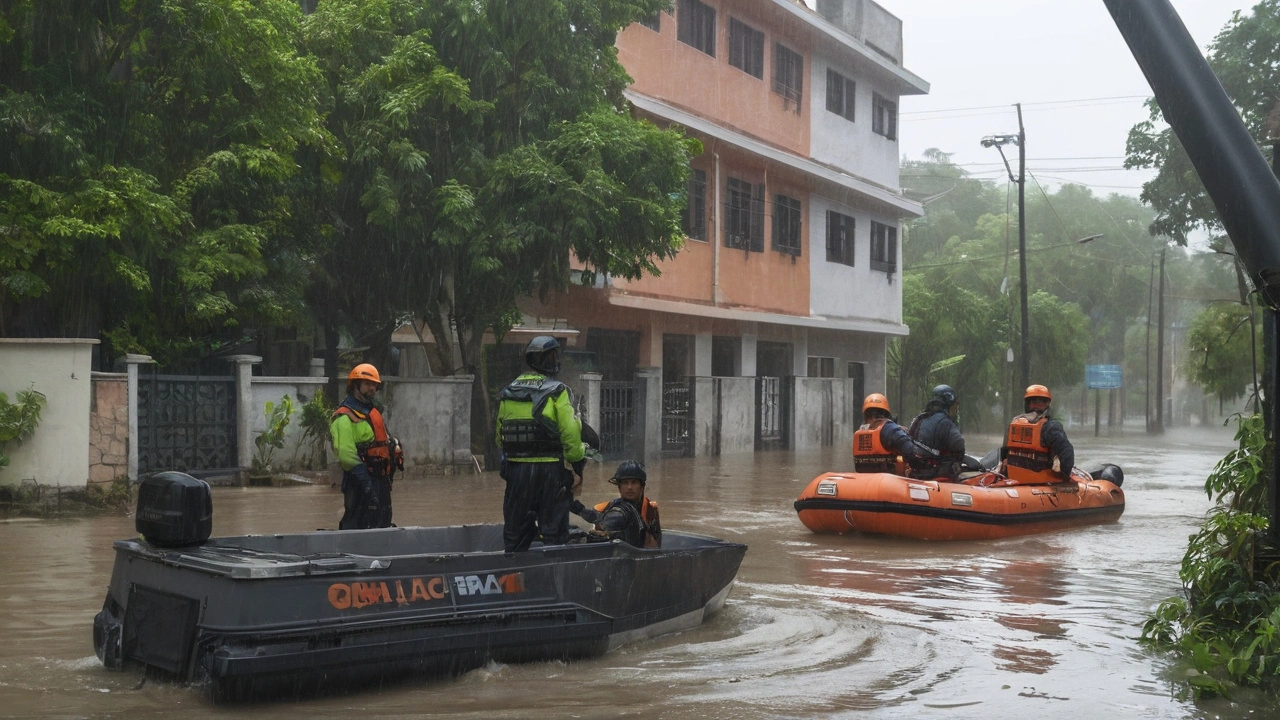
884	247
788	74
821	367
746	48
696	25
839	238
786	225
653	22
858	374
695	217
884	116
840	94
744	214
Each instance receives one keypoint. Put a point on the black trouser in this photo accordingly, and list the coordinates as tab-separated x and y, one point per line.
536	501
361	510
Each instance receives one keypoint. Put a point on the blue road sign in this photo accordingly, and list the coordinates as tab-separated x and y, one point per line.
1103	377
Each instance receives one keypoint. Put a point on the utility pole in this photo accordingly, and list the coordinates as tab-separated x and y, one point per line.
1022	249
1159	426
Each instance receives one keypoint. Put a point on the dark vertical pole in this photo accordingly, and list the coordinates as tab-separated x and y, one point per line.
1271	408
1159	427
1097	411
1022	249
1151	290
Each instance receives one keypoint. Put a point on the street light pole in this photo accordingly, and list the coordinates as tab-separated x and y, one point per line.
1022	249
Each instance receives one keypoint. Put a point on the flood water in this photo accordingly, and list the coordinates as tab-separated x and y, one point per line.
816	626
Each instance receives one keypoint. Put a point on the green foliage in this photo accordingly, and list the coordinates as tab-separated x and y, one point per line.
316	414
1244	57
18	420
1221	354
272	439
1226	625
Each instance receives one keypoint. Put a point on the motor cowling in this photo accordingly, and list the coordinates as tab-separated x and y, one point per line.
174	509
1111	473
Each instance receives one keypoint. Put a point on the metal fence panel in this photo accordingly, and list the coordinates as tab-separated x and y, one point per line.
186	423
617	417
677	419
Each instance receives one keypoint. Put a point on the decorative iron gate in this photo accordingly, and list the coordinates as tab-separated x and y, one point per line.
186	423
617	417
771	413
677	419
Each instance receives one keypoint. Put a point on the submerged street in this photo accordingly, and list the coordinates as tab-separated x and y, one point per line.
817	625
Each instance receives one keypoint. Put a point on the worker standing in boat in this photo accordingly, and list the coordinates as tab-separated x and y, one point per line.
631	517
937	431
1036	446
538	432
880	442
368	455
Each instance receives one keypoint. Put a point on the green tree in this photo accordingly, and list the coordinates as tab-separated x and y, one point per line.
1246	58
487	152
146	147
1222	351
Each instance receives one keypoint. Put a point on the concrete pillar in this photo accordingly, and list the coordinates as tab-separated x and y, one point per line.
702	354
133	361
747	361
589	386
800	351
317	367
649	380
244	407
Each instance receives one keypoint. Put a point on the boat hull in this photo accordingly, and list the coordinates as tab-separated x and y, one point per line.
308	613
988	506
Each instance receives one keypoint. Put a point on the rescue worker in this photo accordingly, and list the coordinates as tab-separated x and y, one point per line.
631	517
936	430
538	432
1036	448
881	445
368	455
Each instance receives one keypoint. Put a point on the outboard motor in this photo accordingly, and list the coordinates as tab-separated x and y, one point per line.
174	509
1111	473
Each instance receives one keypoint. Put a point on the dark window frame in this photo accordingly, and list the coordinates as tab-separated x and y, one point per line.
746	48
841	95
787	219
884	116
788	75
841	231
695	217
884	247
696	25
653	22
744	215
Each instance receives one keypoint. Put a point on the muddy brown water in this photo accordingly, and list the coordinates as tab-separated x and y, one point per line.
816	626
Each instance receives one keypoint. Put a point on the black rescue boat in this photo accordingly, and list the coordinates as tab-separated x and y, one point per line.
296	614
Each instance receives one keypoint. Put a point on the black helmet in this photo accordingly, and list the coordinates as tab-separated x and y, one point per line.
944	396
543	355
630	470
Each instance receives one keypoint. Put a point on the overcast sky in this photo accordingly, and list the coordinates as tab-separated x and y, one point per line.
1064	60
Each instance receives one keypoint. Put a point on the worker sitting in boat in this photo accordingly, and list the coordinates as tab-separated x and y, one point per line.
881	445
631	517
368	455
1036	448
936	431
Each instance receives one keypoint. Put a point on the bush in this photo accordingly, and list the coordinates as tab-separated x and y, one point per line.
271	439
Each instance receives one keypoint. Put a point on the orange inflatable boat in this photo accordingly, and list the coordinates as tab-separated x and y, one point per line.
986	505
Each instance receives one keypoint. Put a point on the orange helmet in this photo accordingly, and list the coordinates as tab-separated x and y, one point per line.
1038	391
364	371
876	401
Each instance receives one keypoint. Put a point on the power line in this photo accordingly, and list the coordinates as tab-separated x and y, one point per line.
1080	102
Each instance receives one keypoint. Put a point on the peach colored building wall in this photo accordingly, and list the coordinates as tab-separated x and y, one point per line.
680	74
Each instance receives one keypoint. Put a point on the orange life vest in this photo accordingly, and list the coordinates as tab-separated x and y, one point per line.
1029	460
645	504
869	454
382	455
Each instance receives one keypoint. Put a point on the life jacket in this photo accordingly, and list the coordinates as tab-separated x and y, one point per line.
382	455
642	525
535	436
931	463
1028	459
869	454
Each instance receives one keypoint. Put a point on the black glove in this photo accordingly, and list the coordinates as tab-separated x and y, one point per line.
579	466
586	513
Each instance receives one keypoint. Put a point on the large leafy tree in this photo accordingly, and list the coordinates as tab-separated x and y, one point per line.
1244	57
146	148
486	152
1222	351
